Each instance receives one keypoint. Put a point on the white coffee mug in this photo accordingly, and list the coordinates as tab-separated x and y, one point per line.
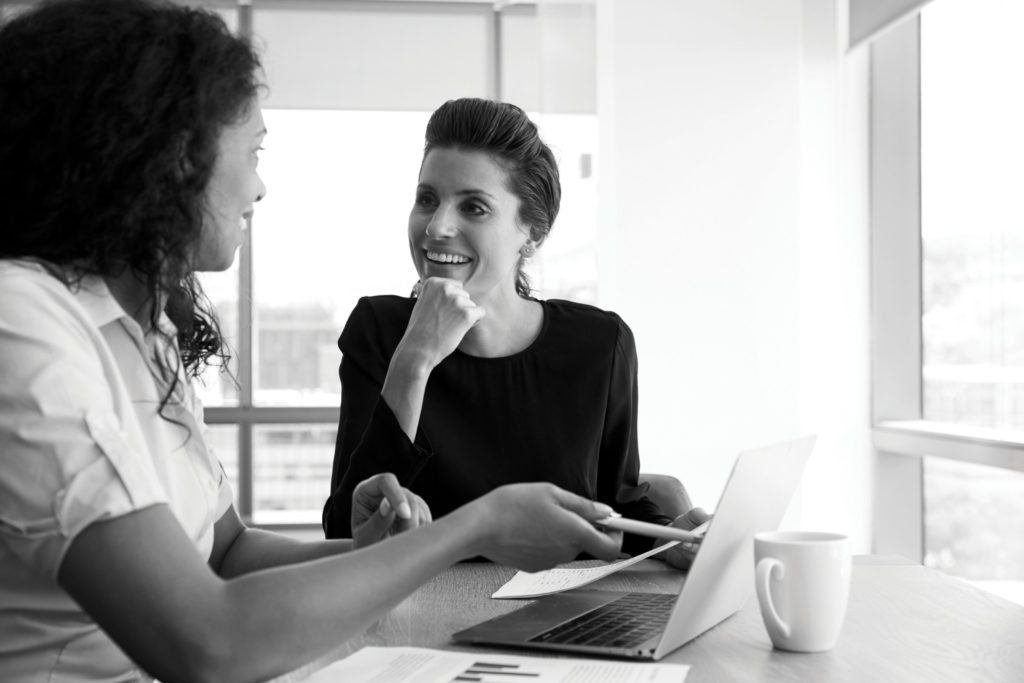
803	583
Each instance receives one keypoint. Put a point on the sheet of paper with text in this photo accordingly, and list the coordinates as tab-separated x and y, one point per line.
408	664
536	584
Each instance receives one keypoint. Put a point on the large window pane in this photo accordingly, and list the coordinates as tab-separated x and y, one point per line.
972	524
972	229
291	472
331	229
972	169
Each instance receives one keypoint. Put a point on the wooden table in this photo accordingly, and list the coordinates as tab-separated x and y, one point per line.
904	623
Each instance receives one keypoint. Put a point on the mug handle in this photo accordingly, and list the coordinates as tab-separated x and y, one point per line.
764	595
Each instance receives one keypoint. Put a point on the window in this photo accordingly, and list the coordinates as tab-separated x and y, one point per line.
972	222
948	315
973	516
350	88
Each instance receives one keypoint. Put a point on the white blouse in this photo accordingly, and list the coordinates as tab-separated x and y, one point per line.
81	440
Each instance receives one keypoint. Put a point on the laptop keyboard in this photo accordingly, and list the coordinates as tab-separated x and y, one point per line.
624	622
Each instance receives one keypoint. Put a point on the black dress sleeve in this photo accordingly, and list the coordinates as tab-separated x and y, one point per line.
619	471
370	440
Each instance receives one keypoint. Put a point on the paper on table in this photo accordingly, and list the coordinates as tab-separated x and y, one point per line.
422	665
536	584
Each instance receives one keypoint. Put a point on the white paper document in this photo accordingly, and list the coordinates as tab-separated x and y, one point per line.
535	584
401	664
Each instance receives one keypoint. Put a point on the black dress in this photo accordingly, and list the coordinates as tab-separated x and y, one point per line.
563	410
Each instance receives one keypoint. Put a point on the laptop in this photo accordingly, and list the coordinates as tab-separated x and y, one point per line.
648	626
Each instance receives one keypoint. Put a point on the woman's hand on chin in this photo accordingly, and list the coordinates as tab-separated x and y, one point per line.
443	314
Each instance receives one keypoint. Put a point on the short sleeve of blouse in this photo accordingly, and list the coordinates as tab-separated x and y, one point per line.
67	456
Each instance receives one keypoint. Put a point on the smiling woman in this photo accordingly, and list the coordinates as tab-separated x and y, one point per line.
474	383
462	205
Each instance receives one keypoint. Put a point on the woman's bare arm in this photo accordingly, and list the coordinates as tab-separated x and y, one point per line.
141	579
440	319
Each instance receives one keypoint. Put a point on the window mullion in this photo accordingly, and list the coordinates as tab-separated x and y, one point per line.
896	283
245	337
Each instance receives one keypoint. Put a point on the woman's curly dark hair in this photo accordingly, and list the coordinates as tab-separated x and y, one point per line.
110	115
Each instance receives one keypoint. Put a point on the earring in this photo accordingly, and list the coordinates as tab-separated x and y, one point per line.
528	250
416	289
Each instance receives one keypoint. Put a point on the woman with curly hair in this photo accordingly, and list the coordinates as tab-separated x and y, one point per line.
131	132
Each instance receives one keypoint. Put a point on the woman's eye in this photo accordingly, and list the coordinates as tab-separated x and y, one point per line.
424	199
474	208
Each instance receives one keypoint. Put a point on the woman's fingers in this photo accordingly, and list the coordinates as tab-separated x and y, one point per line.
443	313
692	518
382	507
536	526
419	513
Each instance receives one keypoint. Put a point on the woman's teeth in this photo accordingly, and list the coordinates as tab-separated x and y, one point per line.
446	258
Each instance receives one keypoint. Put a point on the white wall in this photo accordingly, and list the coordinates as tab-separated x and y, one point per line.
734	241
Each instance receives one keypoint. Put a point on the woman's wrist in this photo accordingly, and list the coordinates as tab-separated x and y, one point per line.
412	364
469	527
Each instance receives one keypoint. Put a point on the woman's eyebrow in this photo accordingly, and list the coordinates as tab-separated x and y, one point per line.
474	191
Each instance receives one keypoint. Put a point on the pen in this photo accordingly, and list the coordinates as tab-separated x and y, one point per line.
671	533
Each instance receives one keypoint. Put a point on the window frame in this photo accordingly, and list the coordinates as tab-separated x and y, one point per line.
246	415
900	436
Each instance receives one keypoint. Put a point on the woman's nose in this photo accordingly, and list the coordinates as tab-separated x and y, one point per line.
442	224
261	189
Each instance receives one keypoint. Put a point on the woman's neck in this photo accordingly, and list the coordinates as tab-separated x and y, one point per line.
130	291
509	326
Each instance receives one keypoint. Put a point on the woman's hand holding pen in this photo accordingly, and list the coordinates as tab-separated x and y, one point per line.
681	556
381	508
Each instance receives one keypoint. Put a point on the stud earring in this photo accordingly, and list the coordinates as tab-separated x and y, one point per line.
528	250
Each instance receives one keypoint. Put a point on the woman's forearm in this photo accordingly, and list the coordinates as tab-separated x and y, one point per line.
404	388
256	549
277	624
173	616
